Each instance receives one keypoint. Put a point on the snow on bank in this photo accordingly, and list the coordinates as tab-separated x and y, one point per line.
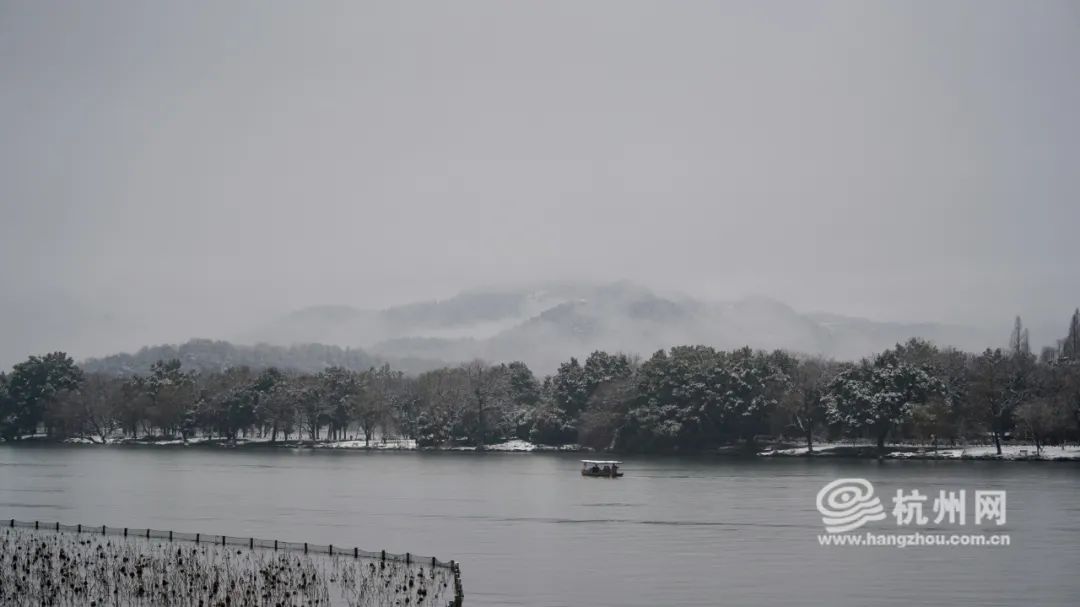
410	444
524	445
989	452
388	444
823	448
512	445
162	442
1008	452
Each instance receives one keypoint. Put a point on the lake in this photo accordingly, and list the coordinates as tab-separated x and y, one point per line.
529	530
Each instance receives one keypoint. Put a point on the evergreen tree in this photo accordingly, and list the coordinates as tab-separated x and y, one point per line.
570	388
601	367
30	387
525	394
878	396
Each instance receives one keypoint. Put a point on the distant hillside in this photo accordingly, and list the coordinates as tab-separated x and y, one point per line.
546	324
542	326
472	314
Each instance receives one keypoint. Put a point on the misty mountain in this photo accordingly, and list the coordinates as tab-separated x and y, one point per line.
547	324
471	314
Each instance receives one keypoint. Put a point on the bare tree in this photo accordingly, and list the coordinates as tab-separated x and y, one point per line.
803	403
1039	418
996	392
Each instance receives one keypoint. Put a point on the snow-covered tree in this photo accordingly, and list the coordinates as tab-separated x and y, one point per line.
877	396
278	407
31	386
601	367
444	398
570	388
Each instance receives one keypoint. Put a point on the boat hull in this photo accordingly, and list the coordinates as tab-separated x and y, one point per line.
601	474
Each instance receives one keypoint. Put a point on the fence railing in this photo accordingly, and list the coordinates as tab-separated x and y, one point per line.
252	543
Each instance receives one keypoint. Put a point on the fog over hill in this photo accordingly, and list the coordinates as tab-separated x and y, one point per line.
545	324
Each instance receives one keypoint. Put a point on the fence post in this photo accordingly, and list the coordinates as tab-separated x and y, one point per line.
432	562
103	530
408	558
251	543
305	547
170	535
35	524
275	544
147	533
12	523
78	528
384	555
331	550
355	552
223	540
125	531
459	593
58	525
196	538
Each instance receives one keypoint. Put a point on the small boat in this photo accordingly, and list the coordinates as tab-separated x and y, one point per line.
600	468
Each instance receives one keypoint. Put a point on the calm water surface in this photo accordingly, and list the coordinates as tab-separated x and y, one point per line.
529	530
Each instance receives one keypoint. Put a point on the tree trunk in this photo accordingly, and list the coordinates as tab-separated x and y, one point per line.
881	443
809	440
997	441
480	418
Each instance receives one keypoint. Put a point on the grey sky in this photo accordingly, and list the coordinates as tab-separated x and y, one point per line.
182	169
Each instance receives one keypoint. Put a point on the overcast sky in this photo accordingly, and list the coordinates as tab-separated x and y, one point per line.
182	169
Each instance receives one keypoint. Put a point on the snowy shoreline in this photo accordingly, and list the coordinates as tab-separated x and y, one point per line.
511	446
1013	452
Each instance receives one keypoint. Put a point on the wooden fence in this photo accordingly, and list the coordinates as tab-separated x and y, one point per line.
254	543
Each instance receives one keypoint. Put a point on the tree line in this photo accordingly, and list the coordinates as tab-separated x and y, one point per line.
688	398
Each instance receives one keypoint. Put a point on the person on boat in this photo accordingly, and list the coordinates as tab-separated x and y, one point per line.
595	469
607	469
614	469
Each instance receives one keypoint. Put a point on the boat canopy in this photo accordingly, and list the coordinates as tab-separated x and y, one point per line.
600	462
